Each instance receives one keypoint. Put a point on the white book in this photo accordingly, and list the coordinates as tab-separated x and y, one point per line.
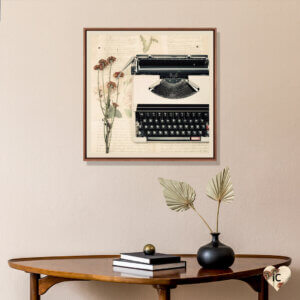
136	265
137	273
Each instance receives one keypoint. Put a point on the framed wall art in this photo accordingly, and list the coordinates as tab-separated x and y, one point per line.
150	94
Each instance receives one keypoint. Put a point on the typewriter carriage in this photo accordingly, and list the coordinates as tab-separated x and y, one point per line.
173	71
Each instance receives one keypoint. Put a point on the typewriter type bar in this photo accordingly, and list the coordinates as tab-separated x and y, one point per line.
179	66
167	122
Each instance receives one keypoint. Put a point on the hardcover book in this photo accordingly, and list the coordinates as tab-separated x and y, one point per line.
138	273
142	266
157	258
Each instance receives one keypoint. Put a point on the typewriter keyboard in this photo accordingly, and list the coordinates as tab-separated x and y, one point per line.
172	122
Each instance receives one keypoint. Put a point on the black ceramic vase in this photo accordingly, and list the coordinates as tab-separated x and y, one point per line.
215	255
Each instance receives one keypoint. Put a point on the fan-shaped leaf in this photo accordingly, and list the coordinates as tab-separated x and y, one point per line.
220	188
179	195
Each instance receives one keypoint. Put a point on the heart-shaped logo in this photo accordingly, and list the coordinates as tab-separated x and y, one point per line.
277	277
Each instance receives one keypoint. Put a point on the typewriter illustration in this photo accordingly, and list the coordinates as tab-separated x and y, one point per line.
168	103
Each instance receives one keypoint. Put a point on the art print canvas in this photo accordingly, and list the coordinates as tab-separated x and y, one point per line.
150	94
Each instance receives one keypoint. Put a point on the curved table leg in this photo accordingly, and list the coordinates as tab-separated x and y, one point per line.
164	291
34	286
259	285
47	282
263	294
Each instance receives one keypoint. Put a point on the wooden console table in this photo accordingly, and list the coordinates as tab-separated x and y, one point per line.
247	268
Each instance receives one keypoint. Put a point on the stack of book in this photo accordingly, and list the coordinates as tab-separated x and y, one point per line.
151	263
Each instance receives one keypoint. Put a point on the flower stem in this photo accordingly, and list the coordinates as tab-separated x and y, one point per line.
116	101
218	212
99	93
115	108
109	88
193	207
103	86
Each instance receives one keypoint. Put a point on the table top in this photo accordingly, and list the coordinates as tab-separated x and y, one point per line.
99	268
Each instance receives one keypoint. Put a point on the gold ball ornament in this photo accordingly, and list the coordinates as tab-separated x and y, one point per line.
149	249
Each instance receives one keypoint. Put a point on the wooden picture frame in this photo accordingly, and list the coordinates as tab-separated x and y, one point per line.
107	34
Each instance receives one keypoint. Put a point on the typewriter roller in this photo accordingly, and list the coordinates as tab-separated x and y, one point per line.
173	71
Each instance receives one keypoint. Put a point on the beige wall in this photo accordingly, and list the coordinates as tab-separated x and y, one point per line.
53	203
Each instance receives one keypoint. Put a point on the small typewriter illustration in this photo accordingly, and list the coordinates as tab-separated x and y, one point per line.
170	98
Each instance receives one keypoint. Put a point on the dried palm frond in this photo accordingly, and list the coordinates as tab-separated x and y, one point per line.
220	188
179	195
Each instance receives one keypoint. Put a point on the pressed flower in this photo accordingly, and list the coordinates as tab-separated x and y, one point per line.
111	85
118	74
111	59
107	93
102	64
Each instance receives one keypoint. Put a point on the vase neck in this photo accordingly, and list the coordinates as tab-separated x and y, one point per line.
215	237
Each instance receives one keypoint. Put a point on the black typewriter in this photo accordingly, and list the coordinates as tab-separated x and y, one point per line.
161	81
167	122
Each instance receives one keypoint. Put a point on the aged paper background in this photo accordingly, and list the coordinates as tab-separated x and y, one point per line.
124	45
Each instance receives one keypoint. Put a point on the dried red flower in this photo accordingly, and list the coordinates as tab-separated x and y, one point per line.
102	64
111	85
111	59
118	74
115	104
96	67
